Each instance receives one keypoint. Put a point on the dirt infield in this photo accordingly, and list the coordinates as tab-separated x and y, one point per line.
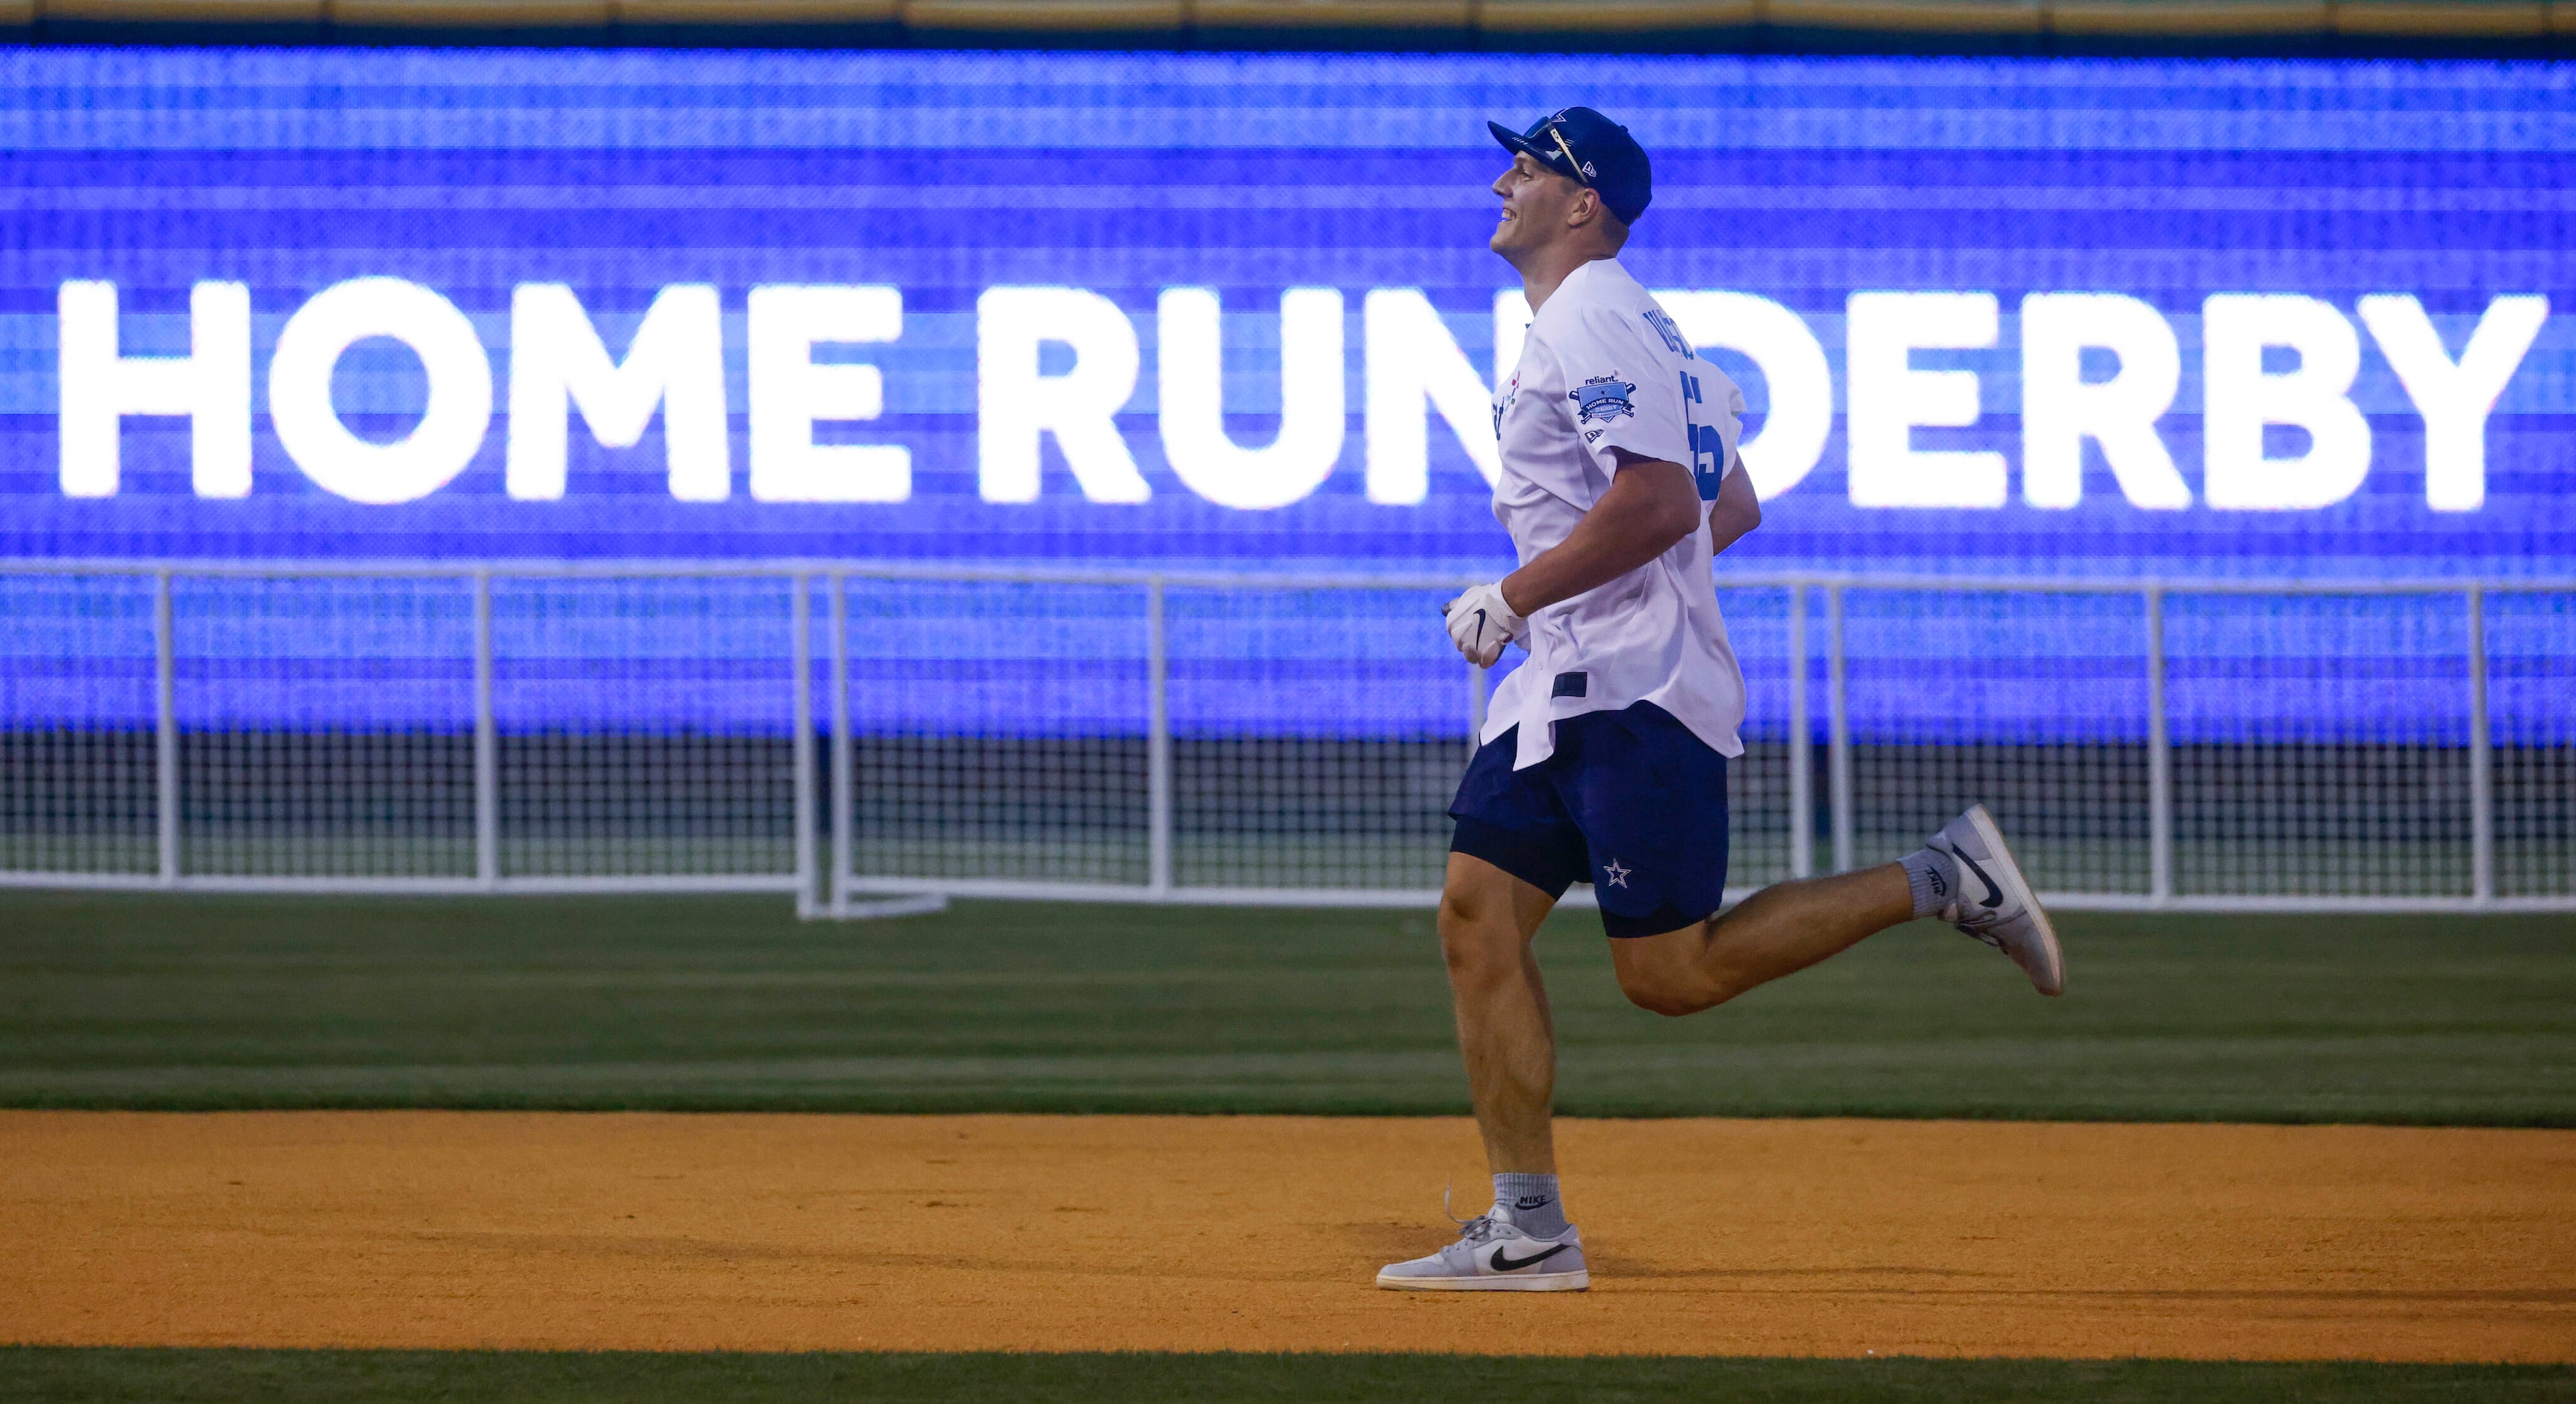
1088	1233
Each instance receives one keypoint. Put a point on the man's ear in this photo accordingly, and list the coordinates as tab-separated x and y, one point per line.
1586	209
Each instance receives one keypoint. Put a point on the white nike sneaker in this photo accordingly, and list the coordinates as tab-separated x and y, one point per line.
1493	1254
1995	904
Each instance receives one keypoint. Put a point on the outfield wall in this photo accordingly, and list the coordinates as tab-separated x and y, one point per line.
962	732
596	346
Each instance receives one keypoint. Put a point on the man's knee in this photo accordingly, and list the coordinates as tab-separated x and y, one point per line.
1477	940
1487	917
1671	998
1660	982
1465	907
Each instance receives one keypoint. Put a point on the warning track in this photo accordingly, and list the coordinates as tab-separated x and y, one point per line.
568	1231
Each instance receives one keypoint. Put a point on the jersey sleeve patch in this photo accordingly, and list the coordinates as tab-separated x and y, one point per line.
1602	398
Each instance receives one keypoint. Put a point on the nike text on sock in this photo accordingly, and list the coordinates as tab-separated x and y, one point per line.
1531	1203
1933	878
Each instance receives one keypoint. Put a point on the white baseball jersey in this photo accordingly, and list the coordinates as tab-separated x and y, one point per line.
1605	368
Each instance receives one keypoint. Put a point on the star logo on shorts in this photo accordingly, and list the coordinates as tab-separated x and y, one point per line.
1618	875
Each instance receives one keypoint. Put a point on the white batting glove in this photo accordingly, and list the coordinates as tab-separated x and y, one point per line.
1480	624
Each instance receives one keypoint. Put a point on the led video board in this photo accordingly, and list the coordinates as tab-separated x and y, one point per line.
2097	318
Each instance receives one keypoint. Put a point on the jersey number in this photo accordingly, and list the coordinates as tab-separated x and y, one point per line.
1708	447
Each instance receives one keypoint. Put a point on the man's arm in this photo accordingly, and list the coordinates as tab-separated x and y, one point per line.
1650	505
1735	512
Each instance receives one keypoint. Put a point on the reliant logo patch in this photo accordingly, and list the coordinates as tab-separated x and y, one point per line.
1603	397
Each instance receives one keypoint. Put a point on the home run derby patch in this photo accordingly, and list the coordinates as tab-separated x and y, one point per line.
1603	397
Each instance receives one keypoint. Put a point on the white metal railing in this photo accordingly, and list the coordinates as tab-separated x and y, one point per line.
2321	856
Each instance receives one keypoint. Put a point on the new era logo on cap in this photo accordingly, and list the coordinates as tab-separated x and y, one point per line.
1581	143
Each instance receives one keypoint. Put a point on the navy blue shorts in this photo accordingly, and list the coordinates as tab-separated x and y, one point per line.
1631	802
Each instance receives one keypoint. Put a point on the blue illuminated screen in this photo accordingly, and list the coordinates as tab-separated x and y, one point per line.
911	305
2140	319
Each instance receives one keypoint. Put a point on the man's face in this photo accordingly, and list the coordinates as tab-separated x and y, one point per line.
1536	202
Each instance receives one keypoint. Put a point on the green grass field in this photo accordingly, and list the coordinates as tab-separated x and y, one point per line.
708	1003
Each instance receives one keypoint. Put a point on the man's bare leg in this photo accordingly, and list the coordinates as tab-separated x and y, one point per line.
1777	931
1487	921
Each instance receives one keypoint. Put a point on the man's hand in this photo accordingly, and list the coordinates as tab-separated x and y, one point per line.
1480	624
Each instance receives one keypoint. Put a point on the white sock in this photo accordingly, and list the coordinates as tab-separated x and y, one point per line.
1531	1203
1933	877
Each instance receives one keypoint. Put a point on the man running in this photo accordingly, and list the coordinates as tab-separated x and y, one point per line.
1604	755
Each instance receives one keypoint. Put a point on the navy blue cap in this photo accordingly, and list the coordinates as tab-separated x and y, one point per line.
1594	151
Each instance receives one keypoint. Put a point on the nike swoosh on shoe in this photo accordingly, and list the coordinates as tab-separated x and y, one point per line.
1994	895
1504	1263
